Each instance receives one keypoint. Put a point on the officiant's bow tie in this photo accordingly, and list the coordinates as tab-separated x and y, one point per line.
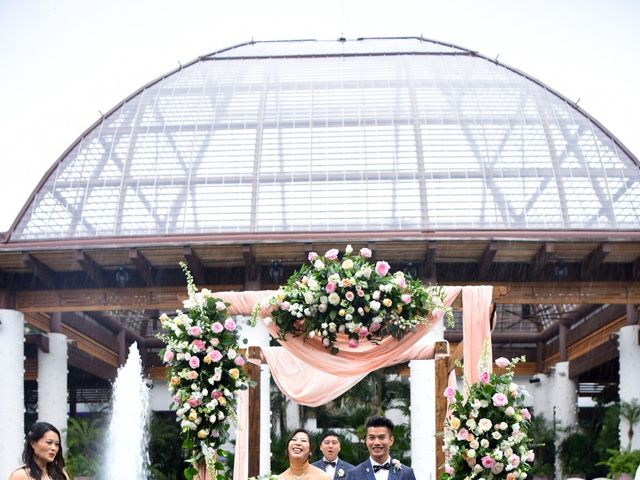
326	464
384	466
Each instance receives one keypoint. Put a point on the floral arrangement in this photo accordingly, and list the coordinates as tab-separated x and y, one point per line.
396	465
350	295
205	371
485	434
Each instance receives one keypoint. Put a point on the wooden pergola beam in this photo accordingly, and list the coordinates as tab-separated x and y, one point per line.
539	260
94	271
143	266
42	272
486	260
592	262
195	265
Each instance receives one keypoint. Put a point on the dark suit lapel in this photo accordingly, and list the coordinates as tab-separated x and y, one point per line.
369	471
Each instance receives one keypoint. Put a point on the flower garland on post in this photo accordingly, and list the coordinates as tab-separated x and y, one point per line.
205	371
485	433
331	295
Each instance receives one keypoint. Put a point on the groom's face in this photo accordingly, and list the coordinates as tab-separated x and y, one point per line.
379	441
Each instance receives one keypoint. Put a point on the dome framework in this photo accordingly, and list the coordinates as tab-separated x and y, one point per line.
372	135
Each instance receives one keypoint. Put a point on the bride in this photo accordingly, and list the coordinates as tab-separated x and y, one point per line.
298	452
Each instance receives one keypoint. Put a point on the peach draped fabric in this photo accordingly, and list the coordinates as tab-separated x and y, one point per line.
306	372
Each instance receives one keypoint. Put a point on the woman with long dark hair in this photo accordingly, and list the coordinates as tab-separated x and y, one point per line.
42	455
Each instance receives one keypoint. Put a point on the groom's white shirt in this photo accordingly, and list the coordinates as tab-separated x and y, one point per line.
381	474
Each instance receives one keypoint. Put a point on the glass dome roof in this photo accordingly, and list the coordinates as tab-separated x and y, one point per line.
359	135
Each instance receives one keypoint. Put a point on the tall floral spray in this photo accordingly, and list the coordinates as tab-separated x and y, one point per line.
204	373
485	433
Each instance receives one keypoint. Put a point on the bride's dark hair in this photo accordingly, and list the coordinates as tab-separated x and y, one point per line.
55	468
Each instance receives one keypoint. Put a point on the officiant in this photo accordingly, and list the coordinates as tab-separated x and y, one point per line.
330	462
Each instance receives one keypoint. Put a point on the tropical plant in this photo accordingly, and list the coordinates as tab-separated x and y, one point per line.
332	295
165	451
542	437
577	455
84	435
630	412
621	462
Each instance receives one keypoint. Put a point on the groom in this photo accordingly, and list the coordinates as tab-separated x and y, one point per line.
380	465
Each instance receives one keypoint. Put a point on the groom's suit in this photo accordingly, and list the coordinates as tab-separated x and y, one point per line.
340	465
364	471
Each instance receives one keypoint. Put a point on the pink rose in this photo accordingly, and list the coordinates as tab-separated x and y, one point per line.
168	356
215	355
195	331
462	434
359	291
220	306
499	400
437	314
488	462
513	460
349	296
198	345
502	362
216	394
401	282
326	341
375	326
353	343
448	470
239	361
382	268
194	362
312	256
363	332
331	254
330	288
365	252
217	327
229	324
484	377
449	392
192	375
194	402
531	456
406	298
525	414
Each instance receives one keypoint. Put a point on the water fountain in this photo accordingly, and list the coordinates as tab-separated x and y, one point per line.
127	437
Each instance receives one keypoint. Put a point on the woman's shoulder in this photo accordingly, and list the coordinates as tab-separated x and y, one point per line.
20	474
318	473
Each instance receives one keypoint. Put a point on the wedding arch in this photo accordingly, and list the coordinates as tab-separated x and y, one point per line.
305	371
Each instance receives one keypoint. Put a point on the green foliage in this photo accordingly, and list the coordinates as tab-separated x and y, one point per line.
543	437
84	435
577	454
608	436
165	453
630	411
622	462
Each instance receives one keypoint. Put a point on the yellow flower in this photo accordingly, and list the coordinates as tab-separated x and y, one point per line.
387	302
399	308
207	359
455	422
342	312
193	415
202	434
175	380
347	264
222	401
234	373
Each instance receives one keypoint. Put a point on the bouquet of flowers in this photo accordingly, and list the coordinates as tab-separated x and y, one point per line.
485	434
205	371
331	295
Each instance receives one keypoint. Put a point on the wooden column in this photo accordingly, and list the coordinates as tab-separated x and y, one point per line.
632	314
253	370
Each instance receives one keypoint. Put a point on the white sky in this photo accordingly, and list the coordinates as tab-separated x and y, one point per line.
63	61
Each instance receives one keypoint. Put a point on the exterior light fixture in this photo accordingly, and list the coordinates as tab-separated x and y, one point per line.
560	270
122	276
276	271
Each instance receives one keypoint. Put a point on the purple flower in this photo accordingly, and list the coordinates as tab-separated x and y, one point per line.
484	377
449	392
